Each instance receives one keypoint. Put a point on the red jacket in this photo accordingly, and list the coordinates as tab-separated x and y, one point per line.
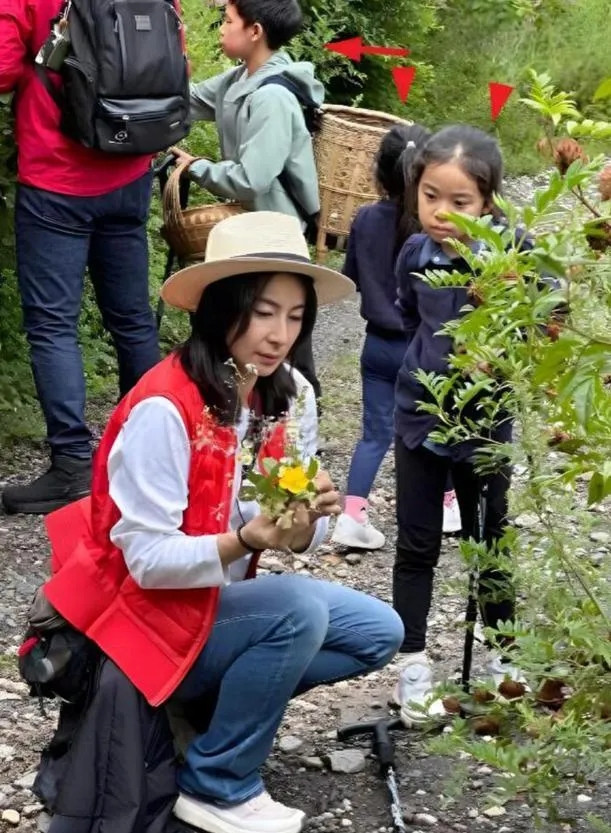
46	158
154	636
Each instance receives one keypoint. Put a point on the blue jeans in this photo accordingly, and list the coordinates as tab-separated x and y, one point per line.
274	637
380	363
58	237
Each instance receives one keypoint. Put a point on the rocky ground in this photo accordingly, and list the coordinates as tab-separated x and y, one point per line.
338	791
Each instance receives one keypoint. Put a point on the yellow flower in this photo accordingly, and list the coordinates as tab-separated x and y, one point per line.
293	479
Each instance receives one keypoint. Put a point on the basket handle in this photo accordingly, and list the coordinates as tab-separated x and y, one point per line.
172	211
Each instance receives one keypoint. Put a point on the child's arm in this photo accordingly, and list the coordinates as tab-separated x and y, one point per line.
351	266
262	154
407	299
204	95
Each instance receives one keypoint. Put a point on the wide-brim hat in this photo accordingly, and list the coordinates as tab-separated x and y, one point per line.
256	241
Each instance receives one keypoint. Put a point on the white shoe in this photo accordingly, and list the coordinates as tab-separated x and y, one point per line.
451	513
414	692
260	814
351	533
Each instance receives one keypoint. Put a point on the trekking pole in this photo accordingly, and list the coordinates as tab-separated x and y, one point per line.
473	592
382	747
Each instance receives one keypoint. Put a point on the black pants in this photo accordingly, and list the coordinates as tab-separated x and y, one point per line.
303	360
421	481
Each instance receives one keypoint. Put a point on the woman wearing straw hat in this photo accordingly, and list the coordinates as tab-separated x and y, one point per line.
152	566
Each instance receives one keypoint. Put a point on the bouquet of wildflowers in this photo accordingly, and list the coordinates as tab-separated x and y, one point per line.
279	486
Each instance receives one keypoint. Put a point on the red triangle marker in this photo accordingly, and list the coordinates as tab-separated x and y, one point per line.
403	78
499	94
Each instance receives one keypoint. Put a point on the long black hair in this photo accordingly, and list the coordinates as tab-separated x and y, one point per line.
476	152
226	307
393	166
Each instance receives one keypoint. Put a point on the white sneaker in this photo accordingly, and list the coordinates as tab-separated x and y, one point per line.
351	533
451	513
260	814
414	692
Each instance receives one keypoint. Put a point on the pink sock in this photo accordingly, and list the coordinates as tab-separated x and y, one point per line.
356	507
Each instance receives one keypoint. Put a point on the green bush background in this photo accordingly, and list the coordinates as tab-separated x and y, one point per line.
458	46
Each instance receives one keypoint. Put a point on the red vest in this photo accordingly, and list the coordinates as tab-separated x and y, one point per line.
154	636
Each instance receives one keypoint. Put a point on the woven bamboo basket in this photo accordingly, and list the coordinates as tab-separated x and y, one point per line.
186	230
345	149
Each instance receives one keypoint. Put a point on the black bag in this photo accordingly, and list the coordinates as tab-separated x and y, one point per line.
55	659
312	115
124	76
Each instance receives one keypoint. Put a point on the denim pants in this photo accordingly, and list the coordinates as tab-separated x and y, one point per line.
58	237
274	637
421	481
380	363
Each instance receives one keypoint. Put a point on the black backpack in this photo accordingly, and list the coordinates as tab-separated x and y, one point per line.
124	75
312	115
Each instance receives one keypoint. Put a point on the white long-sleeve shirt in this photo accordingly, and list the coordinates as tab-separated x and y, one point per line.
148	470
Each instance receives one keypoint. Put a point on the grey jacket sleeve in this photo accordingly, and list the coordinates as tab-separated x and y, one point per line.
203	97
262	155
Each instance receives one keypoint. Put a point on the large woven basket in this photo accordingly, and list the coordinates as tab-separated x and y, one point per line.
186	230
345	149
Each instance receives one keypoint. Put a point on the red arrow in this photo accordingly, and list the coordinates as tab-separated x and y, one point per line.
403	78
353	48
499	93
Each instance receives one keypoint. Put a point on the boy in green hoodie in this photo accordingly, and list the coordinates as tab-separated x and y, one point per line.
262	130
267	153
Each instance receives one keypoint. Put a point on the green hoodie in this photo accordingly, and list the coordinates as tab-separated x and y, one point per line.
262	132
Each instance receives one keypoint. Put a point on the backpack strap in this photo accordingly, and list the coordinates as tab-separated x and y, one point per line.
311	116
44	79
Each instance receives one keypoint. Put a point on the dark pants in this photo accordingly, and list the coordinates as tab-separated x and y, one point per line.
421	481
58	237
381	360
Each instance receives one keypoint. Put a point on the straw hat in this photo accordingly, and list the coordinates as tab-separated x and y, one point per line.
256	241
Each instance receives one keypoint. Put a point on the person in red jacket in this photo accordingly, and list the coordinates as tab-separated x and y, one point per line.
152	566
76	209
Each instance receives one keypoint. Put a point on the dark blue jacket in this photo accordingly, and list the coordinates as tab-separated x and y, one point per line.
370	263
425	310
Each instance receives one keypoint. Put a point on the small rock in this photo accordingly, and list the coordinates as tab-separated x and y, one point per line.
11	817
26	781
425	818
342	573
583	799
6	752
600	537
274	565
348	761
290	743
31	810
312	762
345	823
353	558
526	520
493	812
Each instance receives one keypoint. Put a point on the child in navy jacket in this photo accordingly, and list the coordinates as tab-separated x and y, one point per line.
458	170
375	239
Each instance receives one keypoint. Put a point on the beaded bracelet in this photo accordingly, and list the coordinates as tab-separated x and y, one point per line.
241	541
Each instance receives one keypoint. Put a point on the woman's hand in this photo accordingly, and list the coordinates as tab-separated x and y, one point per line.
261	533
182	156
327	500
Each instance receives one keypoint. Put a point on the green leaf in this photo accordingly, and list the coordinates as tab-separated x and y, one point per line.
312	469
603	90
